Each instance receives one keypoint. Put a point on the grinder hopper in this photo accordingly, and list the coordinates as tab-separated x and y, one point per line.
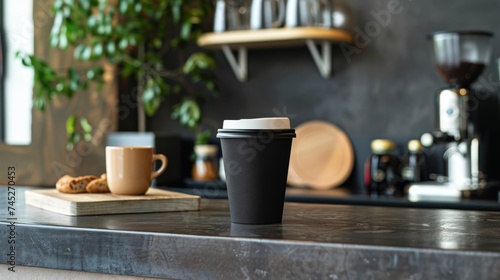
461	56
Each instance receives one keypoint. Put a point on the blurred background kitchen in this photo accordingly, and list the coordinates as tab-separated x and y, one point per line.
382	86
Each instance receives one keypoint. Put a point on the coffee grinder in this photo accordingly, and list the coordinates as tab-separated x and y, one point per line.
460	57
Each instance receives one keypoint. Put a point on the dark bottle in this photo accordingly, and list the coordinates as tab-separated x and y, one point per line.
382	170
414	166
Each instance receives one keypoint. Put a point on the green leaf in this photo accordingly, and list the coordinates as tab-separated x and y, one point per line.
123	7
92	21
108	28
211	86
137	63
101	29
150	101
74	85
87	137
90	74
185	30
123	44
54	40
73	138
85	4
203	137
196	13
189	65
63	41
60	87
128	69
138	7
133	41
74	81
57	4
111	14
56	26
86	53
73	73
157	43
77	52
176	10
158	14
195	77
71	125
86	126
99	70
66	11
198	61
97	53
188	113
39	103
111	48
26	61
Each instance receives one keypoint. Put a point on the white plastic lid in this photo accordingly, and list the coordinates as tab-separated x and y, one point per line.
259	123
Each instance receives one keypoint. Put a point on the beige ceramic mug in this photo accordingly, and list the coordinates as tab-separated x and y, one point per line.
129	169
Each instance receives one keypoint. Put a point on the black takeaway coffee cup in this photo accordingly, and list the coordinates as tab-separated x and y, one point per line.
256	153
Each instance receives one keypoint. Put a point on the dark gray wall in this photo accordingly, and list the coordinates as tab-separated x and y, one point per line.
386	91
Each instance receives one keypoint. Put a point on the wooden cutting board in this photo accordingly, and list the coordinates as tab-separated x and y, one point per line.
322	156
155	200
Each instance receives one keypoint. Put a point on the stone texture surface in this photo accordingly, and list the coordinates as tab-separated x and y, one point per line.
28	273
313	242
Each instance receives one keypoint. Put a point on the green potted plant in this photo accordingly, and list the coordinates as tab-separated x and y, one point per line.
135	37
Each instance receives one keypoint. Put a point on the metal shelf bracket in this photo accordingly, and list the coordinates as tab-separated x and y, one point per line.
324	60
239	65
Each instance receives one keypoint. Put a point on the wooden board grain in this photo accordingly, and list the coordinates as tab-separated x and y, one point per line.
155	200
273	37
322	156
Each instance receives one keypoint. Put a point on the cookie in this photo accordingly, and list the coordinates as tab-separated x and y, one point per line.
63	181
98	186
68	184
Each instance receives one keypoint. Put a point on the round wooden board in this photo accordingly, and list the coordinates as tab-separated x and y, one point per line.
322	156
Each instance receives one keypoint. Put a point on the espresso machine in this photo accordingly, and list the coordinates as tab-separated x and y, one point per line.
459	57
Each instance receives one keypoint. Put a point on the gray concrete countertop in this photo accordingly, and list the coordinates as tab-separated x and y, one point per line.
315	241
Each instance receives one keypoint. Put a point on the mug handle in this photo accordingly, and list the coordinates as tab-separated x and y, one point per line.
164	163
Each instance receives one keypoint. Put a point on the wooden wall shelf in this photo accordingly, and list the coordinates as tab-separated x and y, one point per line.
242	40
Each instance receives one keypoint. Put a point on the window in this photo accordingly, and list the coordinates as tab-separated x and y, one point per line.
2	66
17	89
